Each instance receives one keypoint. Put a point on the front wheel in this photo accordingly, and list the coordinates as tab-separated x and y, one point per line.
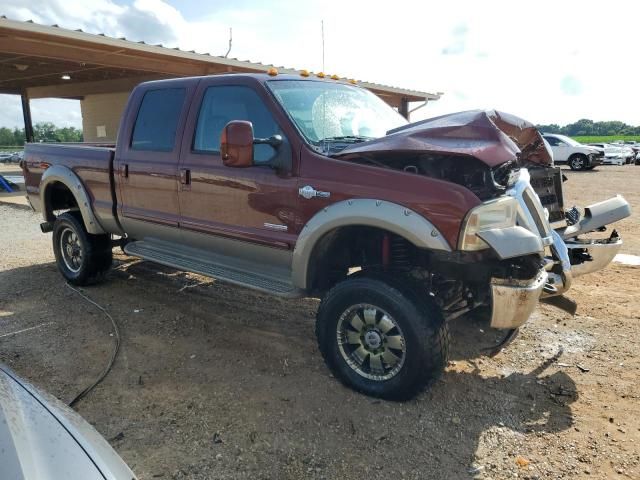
82	258
578	162
378	336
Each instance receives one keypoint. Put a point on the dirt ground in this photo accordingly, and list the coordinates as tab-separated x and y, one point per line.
218	382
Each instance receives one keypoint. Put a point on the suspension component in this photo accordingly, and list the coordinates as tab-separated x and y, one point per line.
400	253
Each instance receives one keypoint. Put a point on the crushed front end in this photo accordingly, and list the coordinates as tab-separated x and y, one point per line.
521	243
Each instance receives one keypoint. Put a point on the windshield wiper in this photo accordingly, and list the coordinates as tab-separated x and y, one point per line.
347	139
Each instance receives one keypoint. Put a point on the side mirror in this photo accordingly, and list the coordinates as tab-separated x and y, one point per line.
236	144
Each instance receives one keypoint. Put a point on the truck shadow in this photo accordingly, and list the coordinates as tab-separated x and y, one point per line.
246	366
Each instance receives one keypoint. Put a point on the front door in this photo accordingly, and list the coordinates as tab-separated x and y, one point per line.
242	212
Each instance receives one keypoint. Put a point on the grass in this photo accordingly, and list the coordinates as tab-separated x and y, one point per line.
606	138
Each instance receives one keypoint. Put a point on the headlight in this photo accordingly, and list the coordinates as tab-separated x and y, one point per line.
500	213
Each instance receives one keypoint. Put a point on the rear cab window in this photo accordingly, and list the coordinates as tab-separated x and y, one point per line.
157	120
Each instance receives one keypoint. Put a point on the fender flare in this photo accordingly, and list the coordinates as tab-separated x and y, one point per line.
362	212
66	176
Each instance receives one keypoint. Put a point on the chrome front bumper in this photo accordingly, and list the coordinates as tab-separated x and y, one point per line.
513	301
601	252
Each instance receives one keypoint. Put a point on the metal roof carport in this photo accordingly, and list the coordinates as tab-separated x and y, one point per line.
39	61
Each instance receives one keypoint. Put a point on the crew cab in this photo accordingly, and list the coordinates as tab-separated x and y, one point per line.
575	154
300	186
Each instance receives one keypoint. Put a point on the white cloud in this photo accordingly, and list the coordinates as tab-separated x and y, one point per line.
546	61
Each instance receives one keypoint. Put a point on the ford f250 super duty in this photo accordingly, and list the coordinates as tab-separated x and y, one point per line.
300	186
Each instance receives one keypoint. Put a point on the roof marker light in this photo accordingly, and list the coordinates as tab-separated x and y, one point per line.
272	71
335	77
353	82
304	73
320	75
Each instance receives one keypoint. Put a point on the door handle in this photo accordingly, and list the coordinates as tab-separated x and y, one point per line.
185	178
125	170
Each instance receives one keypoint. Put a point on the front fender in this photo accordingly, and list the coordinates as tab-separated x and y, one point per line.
363	212
66	176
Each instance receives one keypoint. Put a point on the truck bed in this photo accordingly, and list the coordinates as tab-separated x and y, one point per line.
91	162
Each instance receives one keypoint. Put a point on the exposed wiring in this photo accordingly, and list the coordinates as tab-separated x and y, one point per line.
193	285
114	353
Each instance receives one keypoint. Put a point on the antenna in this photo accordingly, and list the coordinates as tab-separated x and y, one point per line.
230	41
322	27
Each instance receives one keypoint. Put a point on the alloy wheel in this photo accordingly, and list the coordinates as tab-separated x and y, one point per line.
71	250
577	163
371	342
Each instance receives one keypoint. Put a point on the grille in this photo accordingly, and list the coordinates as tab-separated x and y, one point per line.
547	183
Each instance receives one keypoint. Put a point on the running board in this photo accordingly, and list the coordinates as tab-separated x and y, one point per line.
231	270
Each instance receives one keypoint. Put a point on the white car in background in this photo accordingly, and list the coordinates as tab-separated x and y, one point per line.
627	152
577	155
613	154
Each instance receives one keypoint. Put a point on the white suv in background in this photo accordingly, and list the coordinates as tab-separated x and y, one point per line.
577	155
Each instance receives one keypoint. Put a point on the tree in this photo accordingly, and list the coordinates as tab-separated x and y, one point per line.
18	136
586	127
551	128
45	132
6	136
69	134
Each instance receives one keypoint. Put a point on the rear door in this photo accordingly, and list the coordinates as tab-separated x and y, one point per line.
147	159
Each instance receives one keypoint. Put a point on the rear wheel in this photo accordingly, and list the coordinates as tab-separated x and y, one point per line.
378	336
578	162
82	258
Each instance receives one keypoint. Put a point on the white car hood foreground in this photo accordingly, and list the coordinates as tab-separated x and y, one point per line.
43	439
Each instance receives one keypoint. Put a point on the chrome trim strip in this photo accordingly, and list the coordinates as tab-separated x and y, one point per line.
275	226
530	206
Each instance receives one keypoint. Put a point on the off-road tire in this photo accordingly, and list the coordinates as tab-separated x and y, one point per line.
578	161
96	251
424	329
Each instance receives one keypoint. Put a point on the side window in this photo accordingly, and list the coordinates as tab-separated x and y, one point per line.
157	121
220	105
553	141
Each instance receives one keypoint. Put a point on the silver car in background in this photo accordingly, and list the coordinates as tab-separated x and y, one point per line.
43	439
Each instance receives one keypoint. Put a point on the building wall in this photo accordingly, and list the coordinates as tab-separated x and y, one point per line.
101	115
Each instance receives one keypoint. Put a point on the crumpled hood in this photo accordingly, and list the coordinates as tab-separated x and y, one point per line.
490	136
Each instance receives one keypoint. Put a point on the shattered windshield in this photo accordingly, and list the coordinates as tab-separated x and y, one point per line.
334	113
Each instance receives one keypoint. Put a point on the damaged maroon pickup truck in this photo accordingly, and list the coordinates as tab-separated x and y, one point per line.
310	187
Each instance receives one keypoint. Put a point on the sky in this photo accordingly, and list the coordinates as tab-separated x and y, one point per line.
545	61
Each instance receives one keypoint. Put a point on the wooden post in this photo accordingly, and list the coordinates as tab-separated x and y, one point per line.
26	114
